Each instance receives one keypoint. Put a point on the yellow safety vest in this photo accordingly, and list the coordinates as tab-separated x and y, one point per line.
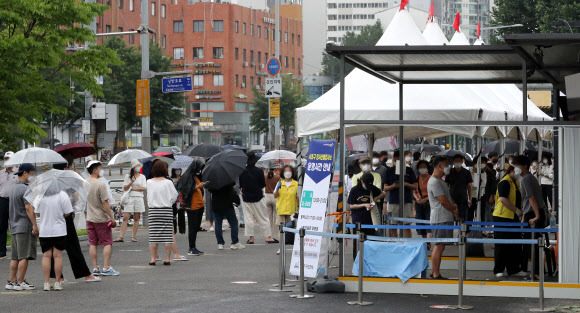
286	203
500	210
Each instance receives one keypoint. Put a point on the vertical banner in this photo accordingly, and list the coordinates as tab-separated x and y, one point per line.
313	204
143	97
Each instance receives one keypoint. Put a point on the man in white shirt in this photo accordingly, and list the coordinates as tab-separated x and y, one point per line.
7	180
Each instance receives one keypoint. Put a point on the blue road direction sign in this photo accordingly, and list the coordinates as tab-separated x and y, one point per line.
273	66
177	84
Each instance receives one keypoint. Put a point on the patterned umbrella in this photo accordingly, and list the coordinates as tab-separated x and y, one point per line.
181	161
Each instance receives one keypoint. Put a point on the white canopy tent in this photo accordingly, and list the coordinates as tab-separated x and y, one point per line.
368	97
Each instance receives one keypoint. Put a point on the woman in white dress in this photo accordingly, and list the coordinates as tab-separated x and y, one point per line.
135	183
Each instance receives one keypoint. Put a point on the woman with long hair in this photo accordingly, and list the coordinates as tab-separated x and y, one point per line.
191	188
272	179
135	184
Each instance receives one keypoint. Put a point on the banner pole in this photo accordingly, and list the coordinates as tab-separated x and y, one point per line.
302	295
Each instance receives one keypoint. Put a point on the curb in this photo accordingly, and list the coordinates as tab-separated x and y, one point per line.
81	239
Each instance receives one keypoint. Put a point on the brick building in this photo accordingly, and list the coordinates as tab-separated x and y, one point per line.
227	46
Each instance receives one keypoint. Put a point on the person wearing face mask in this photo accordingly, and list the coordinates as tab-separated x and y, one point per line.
547	178
377	167
416	158
508	201
135	184
362	198
408	158
392	185
479	185
443	210
461	187
535	212
286	194
383	158
422	207
366	167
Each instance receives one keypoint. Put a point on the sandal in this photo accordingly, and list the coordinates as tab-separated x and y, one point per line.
119	240
273	241
134	239
249	242
152	263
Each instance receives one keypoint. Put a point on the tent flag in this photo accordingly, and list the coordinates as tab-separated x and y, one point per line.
456	22
431	12
403	4
478	30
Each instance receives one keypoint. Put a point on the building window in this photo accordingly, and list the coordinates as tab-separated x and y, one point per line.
292	38
120	4
251	30
299	68
131	5
293	63
244	28
298	40
163	10
286	61
218	80
218	26
131	39
266	31
259	82
236	50
198	80
236	80
259	31
273	34
163	41
265	56
244	55
178	53
152	8
198	26
252	81
119	29
259	57
252	56
285	37
244	81
178	26
198	53
218	52
280	36
107	28
236	26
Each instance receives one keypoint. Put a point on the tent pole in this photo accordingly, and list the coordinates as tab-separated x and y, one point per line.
402	164
478	168
502	158
540	148
341	153
370	144
522	142
556	156
525	89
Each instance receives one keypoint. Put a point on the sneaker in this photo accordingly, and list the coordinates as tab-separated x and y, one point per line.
498	275
109	272
26	286
519	274
237	246
194	252
182	258
47	286
96	272
96	279
212	228
220	247
278	253
16	287
57	286
9	285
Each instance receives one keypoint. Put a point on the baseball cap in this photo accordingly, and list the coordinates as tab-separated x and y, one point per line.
363	159
8	154
91	163
367	178
25	167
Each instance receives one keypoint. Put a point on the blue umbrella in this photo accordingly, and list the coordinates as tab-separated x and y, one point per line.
181	161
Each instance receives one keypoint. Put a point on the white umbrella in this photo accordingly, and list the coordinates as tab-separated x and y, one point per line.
277	158
36	156
128	155
53	182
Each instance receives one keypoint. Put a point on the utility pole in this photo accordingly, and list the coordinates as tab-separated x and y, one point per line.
88	95
145	120
278	35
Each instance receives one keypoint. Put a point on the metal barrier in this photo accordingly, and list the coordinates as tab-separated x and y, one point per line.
361	251
282	283
302	295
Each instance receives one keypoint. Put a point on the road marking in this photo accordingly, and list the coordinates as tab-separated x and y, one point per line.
131	250
244	282
141	266
141	283
16	292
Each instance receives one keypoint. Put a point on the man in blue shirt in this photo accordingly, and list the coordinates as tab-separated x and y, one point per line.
392	185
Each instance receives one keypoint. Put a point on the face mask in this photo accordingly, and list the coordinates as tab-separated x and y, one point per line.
287	174
31	179
408	159
102	173
375	161
422	171
535	163
545	161
518	171
366	167
446	170
511	162
457	165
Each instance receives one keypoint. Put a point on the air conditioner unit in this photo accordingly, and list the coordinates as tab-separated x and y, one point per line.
257	87
243	85
253	64
245	64
262	66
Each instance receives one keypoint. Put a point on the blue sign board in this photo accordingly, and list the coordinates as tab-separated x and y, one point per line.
177	84
273	66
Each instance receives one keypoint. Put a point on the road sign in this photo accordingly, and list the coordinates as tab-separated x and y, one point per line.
143	97
273	66
86	126
177	84
273	87
274	107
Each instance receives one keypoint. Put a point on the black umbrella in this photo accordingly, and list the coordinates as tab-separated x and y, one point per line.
426	148
234	147
511	147
203	150
451	153
224	168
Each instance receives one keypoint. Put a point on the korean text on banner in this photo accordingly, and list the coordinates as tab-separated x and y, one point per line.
143	97
313	204
274	107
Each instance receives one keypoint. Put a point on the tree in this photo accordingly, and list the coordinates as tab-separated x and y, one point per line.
34	36
369	36
120	85
292	98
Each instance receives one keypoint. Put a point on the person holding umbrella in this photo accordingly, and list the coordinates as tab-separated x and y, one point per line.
134	184
223	207
191	187
7	180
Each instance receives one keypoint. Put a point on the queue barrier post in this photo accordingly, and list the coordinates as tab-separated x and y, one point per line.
461	267
541	254
302	295
361	249
282	264
533	257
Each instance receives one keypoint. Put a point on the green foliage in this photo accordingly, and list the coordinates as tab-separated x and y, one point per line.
292	98
36	67
368	36
120	86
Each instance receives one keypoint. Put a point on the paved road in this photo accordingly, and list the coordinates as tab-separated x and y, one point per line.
204	284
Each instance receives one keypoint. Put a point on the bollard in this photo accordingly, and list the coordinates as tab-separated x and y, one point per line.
361	250
302	295
109	171
541	273
282	283
461	267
